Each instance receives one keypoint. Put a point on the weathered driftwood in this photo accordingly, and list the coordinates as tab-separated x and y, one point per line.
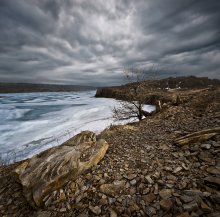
54	168
198	136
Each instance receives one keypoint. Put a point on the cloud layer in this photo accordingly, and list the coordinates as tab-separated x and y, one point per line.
89	42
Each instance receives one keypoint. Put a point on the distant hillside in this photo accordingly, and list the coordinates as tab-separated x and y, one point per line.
25	88
181	83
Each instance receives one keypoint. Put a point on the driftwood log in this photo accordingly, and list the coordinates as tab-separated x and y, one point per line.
197	136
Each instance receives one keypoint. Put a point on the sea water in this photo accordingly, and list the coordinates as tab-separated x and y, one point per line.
33	122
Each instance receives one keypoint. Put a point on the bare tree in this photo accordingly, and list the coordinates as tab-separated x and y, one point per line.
135	97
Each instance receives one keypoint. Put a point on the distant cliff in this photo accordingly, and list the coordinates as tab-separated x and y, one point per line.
24	88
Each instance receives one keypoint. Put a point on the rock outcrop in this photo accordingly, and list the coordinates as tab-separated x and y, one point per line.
54	168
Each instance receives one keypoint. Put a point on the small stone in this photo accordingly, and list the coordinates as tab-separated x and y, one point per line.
113	213
168	169
156	189
213	170
132	190
149	198
68	206
111	200
150	211
42	214
212	181
133	207
119	209
177	169
206	156
62	196
190	207
149	180
63	209
103	201
131	176
214	214
165	193
95	209
205	207
184	166
186	199
178	202
215	144
215	198
112	189
133	182
146	191
195	192
171	177
206	146
184	214
166	204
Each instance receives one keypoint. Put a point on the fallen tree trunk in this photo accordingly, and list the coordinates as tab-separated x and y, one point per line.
197	136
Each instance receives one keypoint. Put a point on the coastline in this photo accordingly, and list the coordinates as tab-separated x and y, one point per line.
158	176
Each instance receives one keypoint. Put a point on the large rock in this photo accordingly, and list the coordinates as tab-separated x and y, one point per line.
54	168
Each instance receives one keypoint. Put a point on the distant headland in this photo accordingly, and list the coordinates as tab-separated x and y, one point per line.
28	87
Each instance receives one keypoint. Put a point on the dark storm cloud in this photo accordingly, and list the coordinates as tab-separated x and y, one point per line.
89	42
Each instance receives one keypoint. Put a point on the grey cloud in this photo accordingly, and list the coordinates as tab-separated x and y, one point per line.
89	42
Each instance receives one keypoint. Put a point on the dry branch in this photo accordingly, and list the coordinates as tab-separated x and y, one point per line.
198	136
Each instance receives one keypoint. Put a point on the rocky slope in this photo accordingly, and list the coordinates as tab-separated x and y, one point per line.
144	171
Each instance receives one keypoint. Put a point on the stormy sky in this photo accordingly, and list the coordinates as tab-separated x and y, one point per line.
90	41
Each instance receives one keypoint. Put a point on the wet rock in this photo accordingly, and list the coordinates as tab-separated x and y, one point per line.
166	204
54	168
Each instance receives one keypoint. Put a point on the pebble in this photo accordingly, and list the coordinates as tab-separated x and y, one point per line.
177	169
206	146
149	180
165	193
190	206
95	209
166	204
133	182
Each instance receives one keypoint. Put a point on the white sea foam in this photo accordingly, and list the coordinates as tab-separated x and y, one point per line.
33	122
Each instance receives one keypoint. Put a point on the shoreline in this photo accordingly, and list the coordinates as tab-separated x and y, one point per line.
158	177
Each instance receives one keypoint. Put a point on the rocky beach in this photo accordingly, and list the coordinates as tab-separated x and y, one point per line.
168	164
